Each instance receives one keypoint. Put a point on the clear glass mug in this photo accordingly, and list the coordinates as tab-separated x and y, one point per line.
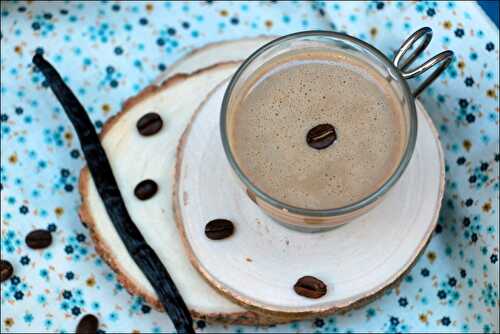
396	72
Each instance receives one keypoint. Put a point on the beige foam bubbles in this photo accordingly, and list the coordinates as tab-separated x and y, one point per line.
284	99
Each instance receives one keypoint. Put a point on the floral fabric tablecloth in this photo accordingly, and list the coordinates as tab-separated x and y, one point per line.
108	51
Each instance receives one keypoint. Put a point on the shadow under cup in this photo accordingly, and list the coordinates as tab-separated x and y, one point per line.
317	220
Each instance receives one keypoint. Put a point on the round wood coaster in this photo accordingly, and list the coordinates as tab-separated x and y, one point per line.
134	158
259	265
214	53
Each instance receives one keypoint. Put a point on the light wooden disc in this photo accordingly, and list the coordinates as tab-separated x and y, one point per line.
259	265
135	158
214	53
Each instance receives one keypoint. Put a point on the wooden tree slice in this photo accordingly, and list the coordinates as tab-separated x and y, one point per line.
135	158
214	53
259	265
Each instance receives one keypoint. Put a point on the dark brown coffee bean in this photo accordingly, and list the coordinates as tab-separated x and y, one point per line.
149	124
146	189
310	287
6	270
38	239
87	325
219	229
321	136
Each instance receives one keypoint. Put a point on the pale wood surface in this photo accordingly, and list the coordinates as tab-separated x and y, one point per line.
214	53
134	157
260	263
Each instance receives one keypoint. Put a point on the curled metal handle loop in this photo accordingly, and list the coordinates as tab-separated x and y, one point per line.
444	59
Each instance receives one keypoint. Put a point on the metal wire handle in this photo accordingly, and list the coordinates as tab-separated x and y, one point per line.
444	59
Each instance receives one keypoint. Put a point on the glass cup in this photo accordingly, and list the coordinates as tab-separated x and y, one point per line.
396	73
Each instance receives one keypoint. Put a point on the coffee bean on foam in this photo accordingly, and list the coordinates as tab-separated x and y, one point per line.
280	103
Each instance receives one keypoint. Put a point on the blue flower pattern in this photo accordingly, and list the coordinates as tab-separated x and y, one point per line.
108	51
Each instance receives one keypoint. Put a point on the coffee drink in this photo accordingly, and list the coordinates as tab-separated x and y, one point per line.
317	129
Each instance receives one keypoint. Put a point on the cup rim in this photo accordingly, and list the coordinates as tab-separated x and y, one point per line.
367	200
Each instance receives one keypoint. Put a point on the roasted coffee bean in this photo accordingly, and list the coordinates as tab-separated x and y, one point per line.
219	229
146	189
310	287
6	270
321	136
149	124
38	239
87	325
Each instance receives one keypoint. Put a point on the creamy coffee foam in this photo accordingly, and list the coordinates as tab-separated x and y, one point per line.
272	114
